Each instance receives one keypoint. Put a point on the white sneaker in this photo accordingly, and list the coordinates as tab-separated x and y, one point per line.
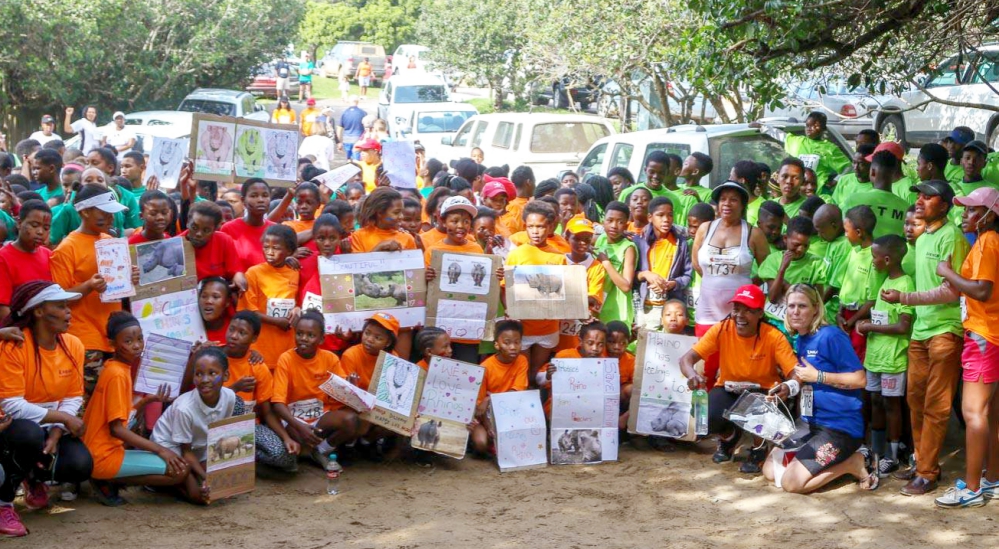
989	488
959	496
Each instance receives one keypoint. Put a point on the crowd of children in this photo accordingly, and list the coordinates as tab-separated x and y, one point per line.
898	259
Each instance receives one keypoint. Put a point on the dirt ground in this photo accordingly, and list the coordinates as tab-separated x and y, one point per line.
649	498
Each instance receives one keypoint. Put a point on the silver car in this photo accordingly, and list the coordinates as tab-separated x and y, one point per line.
349	55
848	109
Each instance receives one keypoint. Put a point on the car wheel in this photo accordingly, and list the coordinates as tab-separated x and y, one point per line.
558	101
583	107
892	128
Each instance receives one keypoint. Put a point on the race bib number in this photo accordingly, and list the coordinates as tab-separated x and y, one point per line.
312	302
776	310
810	161
879	318
807	400
724	263
280	308
964	309
693	296
307	411
283	72
569	327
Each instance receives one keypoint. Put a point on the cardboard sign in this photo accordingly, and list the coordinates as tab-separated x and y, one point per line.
464	298
164	361
546	292
447	406
232	150
399	161
175	315
231	463
115	265
397	385
166	158
660	400
519	423
586	403
345	392
335	178
355	286
165	266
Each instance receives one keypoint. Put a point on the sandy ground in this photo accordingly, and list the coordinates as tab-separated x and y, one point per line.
647	499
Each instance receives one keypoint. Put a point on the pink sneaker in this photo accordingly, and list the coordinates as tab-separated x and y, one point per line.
10	523
36	495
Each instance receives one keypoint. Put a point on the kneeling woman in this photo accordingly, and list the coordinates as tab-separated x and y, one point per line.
41	387
831	371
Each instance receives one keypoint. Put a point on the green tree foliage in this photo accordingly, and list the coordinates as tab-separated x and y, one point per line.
130	55
389	23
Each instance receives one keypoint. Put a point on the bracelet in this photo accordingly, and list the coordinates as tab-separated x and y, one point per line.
821	377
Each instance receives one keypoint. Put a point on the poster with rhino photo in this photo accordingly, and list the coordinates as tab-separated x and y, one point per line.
232	456
464	298
397	385
518	419
447	406
586	403
165	266
660	399
546	292
357	285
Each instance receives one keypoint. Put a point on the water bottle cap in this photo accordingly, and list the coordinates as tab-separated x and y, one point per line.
333	456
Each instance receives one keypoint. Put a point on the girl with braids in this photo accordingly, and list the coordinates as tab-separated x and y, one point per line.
41	387
750	350
379	219
110	417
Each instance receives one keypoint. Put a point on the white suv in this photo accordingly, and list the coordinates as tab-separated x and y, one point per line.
968	78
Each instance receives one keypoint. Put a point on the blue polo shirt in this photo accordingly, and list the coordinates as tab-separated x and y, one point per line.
829	350
351	121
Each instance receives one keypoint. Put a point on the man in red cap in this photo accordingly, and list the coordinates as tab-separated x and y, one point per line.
309	116
751	352
371	162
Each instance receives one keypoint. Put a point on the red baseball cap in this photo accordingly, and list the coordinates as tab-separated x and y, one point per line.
494	188
889	146
511	189
749	295
368	144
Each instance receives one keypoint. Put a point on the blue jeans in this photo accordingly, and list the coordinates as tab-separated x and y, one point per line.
348	149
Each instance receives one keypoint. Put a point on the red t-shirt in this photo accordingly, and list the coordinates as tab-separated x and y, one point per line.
217	258
218	336
248	240
17	267
138	238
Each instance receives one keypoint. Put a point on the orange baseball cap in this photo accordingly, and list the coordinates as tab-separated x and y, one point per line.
580	225
386	321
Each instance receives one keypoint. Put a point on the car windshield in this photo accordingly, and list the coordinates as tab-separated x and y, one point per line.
566	137
420	94
208	106
435	122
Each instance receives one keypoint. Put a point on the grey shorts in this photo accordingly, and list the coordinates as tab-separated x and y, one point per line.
364	81
889	385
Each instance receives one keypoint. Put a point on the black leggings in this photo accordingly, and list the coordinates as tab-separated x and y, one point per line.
720	400
21	448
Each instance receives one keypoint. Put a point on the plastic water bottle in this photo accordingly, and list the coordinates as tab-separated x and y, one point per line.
333	471
700	398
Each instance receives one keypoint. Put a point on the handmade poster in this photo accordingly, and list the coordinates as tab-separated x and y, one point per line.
399	161
518	419
164	361
546	292
347	393
464	298
231	456
447	406
397	385
281	155
212	141
355	286
165	266
586	403
249	157
335	178
175	315
115	265
166	158
660	400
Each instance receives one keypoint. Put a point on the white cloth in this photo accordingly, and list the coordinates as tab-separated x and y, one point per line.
725	270
42	138
319	146
90	137
186	421
119	138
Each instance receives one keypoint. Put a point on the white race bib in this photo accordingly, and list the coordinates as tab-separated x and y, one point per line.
280	308
312	302
807	400
777	310
723	263
307	411
879	318
809	160
569	327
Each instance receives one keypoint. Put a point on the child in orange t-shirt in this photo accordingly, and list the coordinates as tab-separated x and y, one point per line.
579	231
618	338
307	202
271	291
312	417
592	344
505	371
107	418
411	219
430	342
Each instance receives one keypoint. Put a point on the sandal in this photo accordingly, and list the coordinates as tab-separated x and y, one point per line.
871	482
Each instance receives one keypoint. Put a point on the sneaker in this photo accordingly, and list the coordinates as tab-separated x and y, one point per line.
320	458
36	495
754	464
989	488
886	466
106	493
725	449
960	496
10	523
69	491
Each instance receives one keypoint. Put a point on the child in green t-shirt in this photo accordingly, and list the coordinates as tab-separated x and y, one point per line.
619	256
695	167
828	221
887	351
700	213
861	281
913	228
794	266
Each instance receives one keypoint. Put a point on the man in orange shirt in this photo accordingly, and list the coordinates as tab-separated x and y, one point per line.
308	116
363	75
750	351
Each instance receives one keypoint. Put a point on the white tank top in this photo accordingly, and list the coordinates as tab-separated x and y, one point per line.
725	270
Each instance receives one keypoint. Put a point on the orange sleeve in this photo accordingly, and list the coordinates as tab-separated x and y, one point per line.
264	389
626	368
358	243
250	299
709	344
981	268
62	262
783	352
118	399
519	382
595	276
334	366
12	365
280	383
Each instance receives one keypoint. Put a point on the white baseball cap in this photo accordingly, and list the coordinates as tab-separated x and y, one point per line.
50	293
458	204
104	202
117	114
